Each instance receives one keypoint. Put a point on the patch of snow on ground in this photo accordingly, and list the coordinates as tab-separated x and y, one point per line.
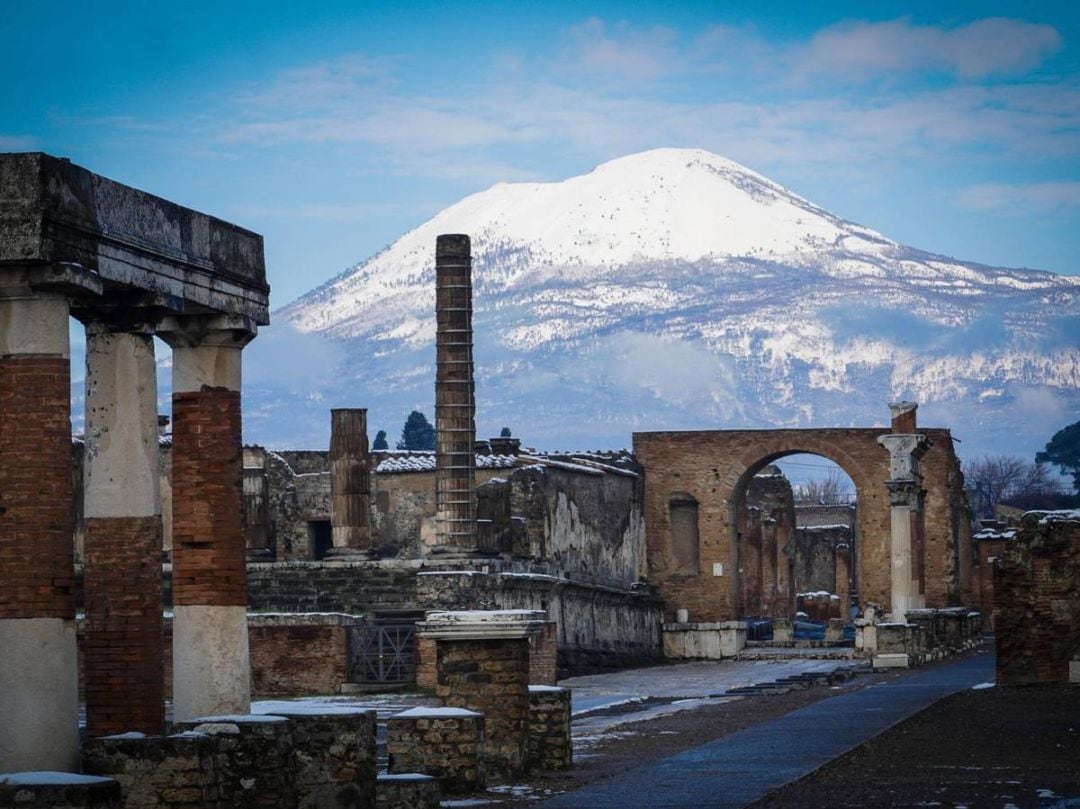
982	686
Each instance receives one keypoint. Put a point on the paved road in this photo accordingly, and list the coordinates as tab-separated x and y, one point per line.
740	768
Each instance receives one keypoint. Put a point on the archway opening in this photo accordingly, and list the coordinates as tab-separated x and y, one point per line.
795	545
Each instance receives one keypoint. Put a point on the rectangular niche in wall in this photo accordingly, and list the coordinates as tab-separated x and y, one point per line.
321	538
683	519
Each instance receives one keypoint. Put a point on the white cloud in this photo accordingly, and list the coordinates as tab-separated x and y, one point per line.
982	48
1021	198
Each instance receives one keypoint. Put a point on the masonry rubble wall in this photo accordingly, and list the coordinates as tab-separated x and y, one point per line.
1037	612
549	746
408	791
51	790
446	743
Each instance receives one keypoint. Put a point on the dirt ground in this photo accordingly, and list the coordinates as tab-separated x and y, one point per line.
995	747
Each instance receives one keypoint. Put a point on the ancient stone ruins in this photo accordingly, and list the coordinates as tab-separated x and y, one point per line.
157	560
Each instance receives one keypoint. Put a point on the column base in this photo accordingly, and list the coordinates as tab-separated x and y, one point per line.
39	695
211	664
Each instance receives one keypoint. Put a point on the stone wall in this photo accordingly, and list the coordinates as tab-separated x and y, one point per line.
48	790
766	546
715	467
407	791
447	743
549	746
1037	614
297	655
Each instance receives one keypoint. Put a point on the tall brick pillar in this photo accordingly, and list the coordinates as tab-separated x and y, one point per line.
39	702
350	484
905	512
123	659
211	669
455	404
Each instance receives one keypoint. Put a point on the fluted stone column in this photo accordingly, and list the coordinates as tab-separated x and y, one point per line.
39	702
211	669
123	655
350	485
455	406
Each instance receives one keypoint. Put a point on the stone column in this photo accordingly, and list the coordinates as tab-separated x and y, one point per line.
123	655
211	670
39	702
455	407
350	484
905	497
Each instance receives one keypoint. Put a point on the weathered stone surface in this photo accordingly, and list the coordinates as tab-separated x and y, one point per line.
57	790
550	746
1037	612
445	743
407	791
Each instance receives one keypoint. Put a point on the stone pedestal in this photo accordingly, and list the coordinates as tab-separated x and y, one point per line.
39	704
123	657
407	791
57	790
704	641
157	772
783	631
211	669
483	665
447	743
550	745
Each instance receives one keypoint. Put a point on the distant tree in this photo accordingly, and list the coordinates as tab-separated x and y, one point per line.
1006	478
832	489
1063	450
417	434
504	432
380	441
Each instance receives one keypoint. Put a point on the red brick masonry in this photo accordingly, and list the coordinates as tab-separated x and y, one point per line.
123	655
37	564
208	532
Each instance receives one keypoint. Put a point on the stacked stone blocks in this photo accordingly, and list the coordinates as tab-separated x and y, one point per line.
446	743
550	746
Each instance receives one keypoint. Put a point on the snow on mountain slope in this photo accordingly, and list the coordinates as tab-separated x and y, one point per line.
676	289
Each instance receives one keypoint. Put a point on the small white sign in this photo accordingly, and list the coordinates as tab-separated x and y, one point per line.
718	569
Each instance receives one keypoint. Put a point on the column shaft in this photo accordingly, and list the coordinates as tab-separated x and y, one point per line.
211	669
350	482
123	654
455	406
39	705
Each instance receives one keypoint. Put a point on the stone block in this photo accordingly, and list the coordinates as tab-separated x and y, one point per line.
447	743
57	790
156	772
891	661
550	746
783	631
407	791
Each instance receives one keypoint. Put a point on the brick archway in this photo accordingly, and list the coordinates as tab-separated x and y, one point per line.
714	467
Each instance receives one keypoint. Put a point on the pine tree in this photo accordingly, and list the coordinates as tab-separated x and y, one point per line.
505	433
380	441
417	434
1063	450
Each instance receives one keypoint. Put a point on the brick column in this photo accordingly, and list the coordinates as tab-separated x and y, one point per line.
39	704
455	404
211	670
350	484
123	656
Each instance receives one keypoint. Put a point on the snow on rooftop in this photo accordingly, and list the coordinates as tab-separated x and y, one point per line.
238	719
425	462
541	689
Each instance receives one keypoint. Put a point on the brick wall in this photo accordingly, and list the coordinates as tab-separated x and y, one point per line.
208	536
1037	613
714	467
296	660
123	665
36	520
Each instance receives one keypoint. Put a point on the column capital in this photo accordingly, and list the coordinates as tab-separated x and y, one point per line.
192	331
905	493
904	452
63	279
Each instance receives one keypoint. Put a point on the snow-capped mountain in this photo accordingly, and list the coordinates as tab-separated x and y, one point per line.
676	289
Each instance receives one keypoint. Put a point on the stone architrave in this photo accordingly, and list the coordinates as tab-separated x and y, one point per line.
483	665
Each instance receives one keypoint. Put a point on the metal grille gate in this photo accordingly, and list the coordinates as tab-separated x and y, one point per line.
382	654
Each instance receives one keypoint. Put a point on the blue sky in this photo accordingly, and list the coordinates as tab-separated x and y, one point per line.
950	127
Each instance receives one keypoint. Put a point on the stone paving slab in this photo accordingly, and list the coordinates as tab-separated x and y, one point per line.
741	768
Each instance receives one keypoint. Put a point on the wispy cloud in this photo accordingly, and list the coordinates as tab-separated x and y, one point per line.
1022	198
979	49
